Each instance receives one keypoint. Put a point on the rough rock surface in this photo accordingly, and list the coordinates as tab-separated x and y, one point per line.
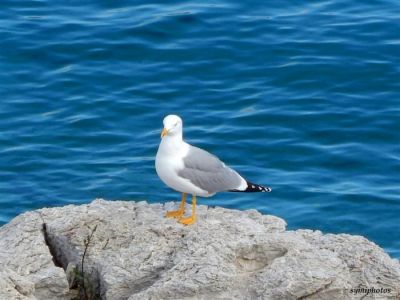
136	253
27	267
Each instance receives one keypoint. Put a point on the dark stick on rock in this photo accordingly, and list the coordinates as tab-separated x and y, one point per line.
87	243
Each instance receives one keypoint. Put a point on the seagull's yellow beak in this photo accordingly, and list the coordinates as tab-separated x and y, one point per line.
164	132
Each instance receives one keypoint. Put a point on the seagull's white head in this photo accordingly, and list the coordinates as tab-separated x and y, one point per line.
172	126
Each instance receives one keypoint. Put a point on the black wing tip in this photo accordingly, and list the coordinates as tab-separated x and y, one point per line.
251	187
254	188
267	189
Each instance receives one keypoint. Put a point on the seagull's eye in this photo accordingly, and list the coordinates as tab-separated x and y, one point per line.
176	124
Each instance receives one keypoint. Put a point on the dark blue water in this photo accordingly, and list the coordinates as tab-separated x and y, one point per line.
303	96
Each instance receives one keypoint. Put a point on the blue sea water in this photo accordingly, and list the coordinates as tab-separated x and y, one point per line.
302	96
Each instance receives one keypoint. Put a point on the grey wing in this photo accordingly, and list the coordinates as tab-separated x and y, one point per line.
207	172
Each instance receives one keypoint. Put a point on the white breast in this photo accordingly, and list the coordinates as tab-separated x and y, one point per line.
169	162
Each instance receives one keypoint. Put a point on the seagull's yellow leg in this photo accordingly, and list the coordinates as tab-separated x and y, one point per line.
192	219
178	213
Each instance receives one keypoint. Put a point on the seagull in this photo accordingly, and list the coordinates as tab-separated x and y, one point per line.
190	170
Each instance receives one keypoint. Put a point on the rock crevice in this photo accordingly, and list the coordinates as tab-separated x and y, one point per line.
49	244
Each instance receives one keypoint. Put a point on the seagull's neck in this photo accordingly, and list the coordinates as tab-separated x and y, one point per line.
173	145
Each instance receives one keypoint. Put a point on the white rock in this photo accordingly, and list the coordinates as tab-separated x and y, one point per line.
27	267
136	253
